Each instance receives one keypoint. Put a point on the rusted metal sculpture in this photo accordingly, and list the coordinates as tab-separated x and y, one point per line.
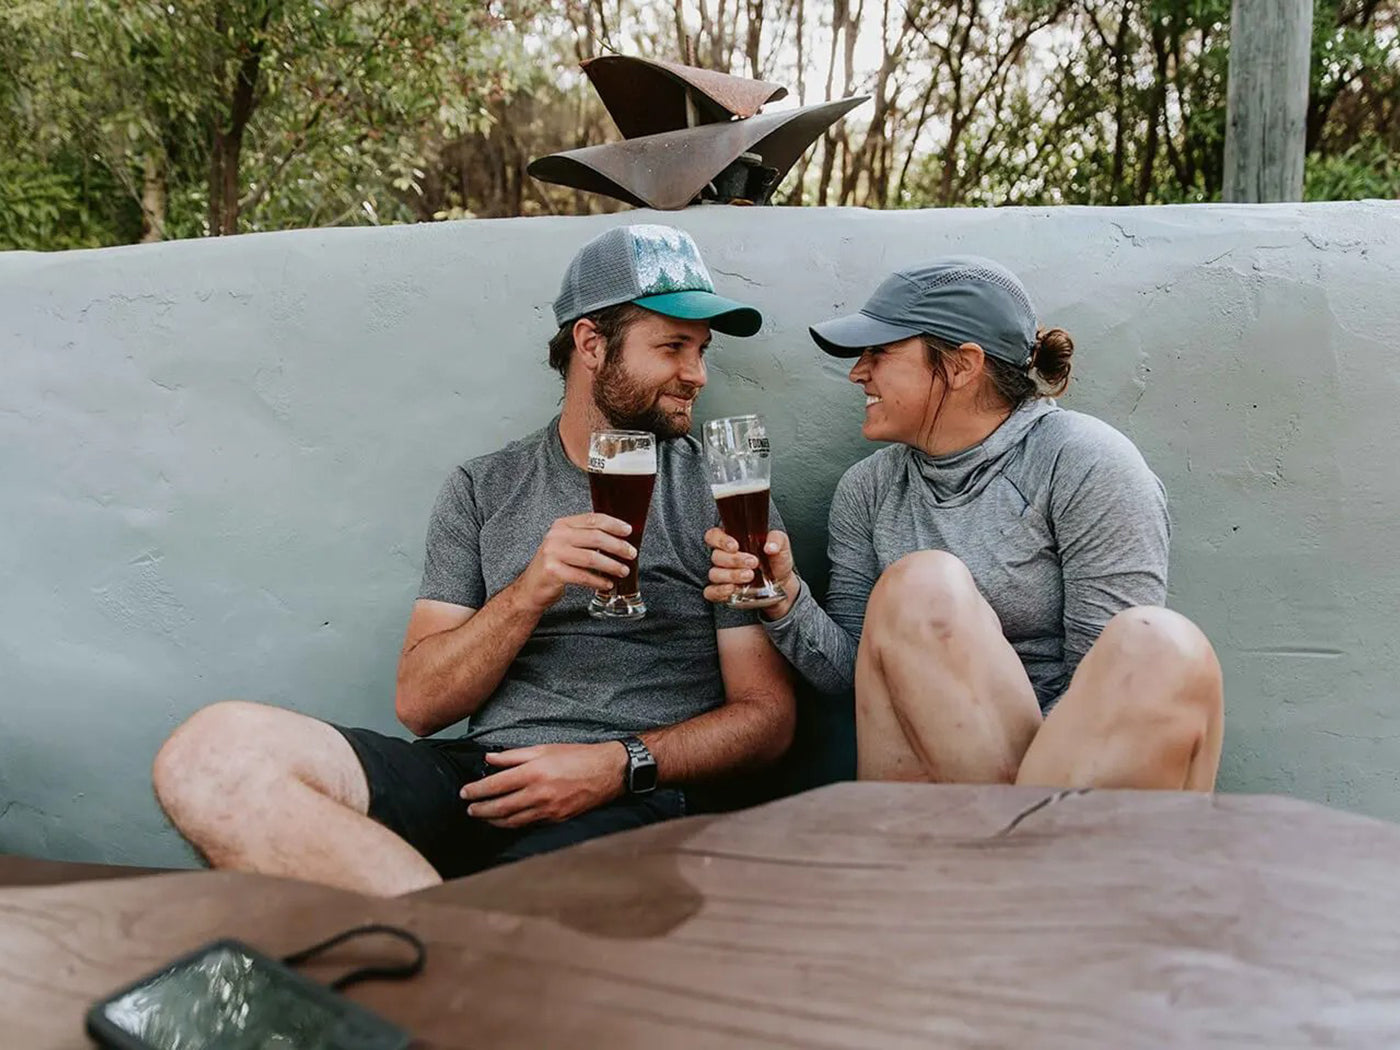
690	135
648	96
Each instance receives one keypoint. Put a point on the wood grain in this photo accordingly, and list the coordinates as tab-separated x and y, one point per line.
31	871
1267	100
858	915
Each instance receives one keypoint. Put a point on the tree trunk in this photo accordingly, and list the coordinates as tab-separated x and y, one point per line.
1188	140
801	62
1266	131
1120	60
865	159
230	189
922	120
1156	115
852	29
755	36
795	198
153	198
946	191
216	180
838	22
682	37
1162	57
227	145
957	118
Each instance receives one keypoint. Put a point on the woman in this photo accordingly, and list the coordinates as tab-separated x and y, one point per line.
998	572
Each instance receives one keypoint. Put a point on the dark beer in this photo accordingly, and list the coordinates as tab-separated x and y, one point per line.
743	509
622	490
738	458
621	475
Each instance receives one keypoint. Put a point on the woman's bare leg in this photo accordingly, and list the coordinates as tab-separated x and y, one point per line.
940	693
1145	709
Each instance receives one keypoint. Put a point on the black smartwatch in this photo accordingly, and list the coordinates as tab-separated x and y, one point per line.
641	767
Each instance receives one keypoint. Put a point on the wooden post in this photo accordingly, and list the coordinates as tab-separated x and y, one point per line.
1266	130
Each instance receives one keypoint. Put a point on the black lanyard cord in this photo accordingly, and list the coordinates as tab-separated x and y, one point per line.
395	972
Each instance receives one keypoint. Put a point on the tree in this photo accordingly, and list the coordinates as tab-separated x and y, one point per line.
130	119
1354	104
210	105
53	193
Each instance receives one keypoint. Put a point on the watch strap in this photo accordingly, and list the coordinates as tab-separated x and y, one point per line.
638	755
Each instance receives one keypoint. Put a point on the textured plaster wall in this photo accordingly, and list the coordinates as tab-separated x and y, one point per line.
217	459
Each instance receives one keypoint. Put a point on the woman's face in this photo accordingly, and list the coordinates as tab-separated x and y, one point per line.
902	393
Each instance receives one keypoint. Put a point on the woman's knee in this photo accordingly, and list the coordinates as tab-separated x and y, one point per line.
1150	630
1175	649
928	586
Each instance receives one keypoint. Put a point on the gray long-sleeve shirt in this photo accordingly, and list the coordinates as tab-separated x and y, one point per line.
1058	518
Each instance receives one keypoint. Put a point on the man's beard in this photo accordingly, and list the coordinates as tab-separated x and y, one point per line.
627	405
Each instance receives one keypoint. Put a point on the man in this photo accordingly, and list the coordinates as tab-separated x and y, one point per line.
576	726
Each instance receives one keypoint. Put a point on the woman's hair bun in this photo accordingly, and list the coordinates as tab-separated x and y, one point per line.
1050	359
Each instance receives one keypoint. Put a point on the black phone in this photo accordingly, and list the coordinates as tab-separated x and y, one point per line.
229	996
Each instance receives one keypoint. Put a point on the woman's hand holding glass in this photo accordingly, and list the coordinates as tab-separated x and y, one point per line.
730	569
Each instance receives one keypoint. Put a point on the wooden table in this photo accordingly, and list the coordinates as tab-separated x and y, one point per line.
858	915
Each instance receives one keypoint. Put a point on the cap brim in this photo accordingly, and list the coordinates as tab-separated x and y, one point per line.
724	315
848	336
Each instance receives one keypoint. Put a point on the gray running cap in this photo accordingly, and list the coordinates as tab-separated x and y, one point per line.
656	267
960	299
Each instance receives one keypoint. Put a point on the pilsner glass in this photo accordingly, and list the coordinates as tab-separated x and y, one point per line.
737	454
621	475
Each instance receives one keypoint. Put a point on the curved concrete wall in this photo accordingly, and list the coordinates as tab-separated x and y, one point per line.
218	459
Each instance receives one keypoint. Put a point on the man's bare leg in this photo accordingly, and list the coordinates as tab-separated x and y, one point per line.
1144	710
257	788
940	693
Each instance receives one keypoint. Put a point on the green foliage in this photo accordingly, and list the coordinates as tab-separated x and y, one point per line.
1366	170
62	205
326	109
123	120
1129	108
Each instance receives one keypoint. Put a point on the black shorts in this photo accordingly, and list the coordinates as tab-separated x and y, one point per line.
413	791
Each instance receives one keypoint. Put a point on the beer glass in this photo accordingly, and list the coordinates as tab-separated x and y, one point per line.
737	455
621	474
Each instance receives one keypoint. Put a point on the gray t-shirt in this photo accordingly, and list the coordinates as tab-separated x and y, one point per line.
580	679
1058	518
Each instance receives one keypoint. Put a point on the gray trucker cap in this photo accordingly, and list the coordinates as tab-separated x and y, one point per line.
656	267
960	299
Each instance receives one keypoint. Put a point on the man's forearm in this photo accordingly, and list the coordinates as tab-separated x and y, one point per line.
447	676
739	735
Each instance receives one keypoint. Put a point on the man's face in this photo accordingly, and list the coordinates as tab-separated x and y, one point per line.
651	381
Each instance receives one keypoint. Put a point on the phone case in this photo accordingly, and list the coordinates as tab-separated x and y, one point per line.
356	1028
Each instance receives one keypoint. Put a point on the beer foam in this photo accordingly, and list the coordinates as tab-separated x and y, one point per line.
738	488
637	461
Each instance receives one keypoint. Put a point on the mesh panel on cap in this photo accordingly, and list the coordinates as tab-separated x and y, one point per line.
630	262
599	276
1000	278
